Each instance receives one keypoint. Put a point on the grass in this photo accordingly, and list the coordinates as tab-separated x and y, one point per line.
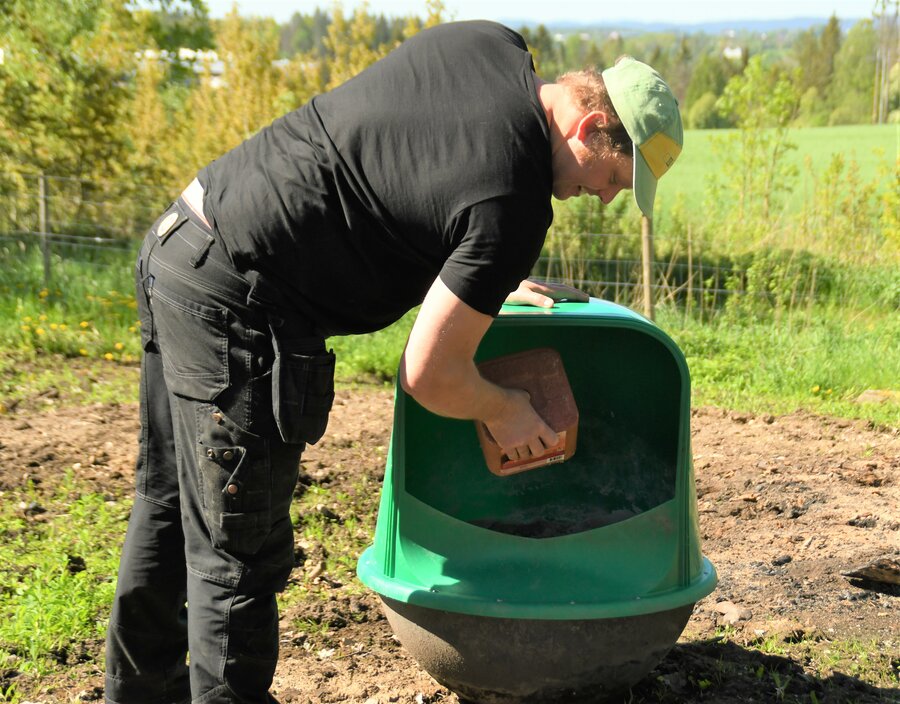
58	574
86	310
36	381
373	357
870	146
820	363
69	345
809	670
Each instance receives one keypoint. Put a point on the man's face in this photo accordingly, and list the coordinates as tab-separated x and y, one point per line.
583	172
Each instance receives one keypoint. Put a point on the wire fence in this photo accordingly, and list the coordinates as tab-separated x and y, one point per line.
70	217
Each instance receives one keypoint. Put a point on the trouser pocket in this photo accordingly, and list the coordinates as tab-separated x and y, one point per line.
302	389
193	342
235	482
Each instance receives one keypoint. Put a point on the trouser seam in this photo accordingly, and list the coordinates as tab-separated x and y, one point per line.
206	577
144	497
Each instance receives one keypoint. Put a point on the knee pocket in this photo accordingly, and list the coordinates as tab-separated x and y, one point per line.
235	482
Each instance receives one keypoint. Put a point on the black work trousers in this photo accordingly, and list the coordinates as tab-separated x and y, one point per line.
210	539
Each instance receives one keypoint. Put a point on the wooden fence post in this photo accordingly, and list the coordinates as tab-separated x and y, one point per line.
42	226
647	264
690	279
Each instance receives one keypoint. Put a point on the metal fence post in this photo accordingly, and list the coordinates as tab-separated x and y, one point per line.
42	226
647	264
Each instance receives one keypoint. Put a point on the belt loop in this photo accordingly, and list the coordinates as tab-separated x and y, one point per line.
200	254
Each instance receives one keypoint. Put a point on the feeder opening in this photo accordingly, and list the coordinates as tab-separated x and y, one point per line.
628	390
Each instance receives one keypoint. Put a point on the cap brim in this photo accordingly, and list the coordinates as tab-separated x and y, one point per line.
644	184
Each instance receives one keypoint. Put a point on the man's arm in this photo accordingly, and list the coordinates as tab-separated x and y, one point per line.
438	370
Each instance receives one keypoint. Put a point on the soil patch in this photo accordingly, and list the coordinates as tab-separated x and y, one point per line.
787	505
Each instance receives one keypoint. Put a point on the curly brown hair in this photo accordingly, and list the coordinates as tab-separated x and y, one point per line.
589	91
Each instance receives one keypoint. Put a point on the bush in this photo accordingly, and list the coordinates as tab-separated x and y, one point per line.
704	115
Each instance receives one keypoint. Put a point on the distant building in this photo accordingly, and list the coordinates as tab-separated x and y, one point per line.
733	53
198	60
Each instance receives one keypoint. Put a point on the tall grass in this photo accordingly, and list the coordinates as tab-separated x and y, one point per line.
87	310
820	361
770	347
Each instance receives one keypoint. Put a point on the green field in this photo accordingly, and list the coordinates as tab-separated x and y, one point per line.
872	147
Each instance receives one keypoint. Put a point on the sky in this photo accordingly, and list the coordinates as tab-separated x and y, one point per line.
587	11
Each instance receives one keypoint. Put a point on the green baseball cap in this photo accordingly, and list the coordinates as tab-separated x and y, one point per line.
649	113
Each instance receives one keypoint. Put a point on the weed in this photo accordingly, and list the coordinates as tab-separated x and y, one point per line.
88	311
781	685
58	574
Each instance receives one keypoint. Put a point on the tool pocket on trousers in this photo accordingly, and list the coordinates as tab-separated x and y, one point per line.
193	343
235	483
302	394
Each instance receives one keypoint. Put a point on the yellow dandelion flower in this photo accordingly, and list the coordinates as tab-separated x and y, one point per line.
40	331
63	326
54	326
84	324
815	389
26	328
42	317
43	293
132	329
828	392
26	319
108	357
83	352
119	346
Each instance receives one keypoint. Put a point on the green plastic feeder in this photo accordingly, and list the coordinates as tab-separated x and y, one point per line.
563	583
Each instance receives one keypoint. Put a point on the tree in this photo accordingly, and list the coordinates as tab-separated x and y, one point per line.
682	67
710	74
762	102
544	49
64	95
352	45
704	115
887	26
854	67
62	84
223	111
815	53
303	34
173	27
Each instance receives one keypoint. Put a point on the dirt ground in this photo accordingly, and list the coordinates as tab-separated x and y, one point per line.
787	505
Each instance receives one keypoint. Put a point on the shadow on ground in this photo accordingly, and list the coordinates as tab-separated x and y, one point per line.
723	672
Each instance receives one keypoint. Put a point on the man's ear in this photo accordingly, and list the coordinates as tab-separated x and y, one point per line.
591	122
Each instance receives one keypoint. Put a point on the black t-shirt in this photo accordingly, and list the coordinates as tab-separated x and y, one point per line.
433	161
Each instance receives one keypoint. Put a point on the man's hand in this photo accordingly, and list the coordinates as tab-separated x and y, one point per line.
518	429
535	293
438	370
